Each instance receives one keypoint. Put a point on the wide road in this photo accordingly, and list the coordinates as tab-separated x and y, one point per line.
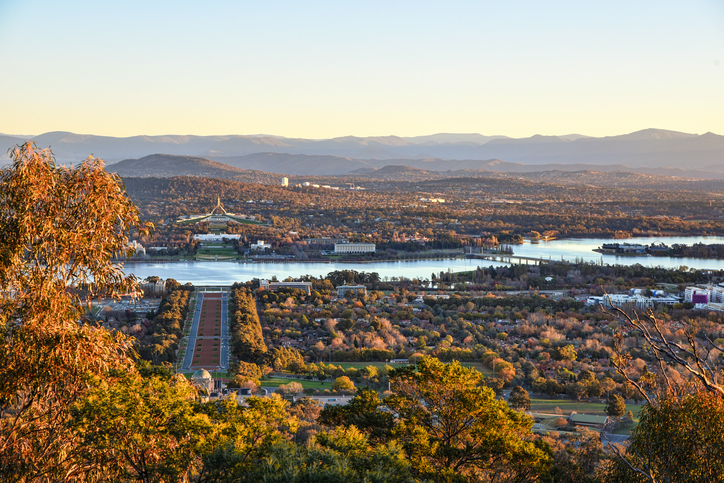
188	358
224	354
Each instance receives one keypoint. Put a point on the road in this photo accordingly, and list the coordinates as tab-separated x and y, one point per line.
224	354
188	358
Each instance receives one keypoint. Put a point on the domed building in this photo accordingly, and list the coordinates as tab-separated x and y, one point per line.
203	380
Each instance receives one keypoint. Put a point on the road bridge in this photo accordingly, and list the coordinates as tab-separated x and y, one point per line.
512	259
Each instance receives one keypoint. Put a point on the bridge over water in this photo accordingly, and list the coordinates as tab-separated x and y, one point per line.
507	258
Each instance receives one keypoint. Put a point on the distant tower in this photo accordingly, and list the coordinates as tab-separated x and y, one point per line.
285	181
219	206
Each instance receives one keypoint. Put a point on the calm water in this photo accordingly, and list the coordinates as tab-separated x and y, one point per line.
226	273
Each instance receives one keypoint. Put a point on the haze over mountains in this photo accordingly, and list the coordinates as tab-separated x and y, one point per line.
652	151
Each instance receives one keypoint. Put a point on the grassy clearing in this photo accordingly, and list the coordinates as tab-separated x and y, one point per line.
361	365
214	258
567	407
482	368
486	371
278	381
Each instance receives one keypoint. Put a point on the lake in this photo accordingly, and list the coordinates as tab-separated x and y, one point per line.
226	273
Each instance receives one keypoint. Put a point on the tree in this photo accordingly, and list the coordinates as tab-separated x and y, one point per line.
586	376
519	399
454	429
567	353
344	455
679	438
245	371
681	426
59	229
363	412
615	405
141	429
247	340
290	388
242	436
285	358
343	383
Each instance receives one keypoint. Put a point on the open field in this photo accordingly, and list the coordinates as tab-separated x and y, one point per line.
567	406
306	384
216	250
360	365
209	251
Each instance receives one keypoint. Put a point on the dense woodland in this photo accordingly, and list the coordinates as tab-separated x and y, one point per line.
158	335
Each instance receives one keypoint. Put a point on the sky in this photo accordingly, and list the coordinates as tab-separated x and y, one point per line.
318	69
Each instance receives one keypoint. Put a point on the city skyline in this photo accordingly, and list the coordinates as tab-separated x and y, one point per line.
323	70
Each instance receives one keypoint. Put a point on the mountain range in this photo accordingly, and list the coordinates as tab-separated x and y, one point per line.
650	150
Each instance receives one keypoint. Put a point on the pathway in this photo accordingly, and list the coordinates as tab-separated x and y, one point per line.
188	357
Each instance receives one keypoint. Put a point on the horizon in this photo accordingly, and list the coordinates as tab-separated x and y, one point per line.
445	133
323	70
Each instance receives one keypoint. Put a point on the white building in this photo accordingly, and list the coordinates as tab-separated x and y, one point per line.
639	301
260	245
215	238
354	248
355	289
138	249
154	287
285	182
273	286
713	293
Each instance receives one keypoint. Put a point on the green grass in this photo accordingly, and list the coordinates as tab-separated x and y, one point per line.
222	252
567	406
361	365
627	428
482	368
306	384
486	371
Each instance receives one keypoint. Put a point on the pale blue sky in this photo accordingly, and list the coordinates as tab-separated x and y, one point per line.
325	69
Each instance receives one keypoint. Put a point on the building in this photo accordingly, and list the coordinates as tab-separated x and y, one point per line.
639	301
202	379
324	242
260	245
273	286
154	288
219	216
355	289
285	182
588	421
211	237
704	294
354	248
138	250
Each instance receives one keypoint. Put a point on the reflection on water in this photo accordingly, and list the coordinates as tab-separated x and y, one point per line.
226	273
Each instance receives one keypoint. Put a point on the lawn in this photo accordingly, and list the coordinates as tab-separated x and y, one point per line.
486	371
222	252
362	365
306	384
482	368
581	407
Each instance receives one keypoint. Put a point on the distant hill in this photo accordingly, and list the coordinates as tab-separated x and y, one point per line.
167	166
298	164
648	148
400	173
312	168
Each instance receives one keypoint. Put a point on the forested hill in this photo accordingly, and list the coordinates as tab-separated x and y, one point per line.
162	166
